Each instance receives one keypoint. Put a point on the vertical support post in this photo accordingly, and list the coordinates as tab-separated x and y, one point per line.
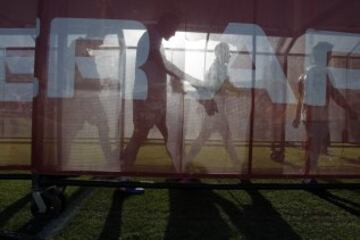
252	107
36	190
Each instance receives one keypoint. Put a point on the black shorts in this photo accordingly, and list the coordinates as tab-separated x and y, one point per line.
148	113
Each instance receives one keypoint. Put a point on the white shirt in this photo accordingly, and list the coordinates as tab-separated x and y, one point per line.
214	80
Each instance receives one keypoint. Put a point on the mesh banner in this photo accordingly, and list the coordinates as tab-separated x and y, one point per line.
17	81
225	88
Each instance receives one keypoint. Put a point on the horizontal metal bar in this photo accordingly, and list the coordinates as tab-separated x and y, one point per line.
199	185
16	176
270	173
173	184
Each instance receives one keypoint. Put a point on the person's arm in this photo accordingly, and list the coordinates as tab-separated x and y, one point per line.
341	101
296	121
174	71
176	85
228	87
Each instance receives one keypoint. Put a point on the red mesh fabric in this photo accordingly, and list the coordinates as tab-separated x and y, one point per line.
17	54
239	90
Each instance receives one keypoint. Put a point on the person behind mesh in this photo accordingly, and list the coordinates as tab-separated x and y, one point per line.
85	106
315	91
150	93
212	98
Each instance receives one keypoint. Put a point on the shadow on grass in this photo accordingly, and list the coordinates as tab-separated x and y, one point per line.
347	205
35	225
207	215
112	226
194	215
12	209
259	220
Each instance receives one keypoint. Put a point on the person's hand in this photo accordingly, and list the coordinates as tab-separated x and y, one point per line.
296	123
177	85
193	81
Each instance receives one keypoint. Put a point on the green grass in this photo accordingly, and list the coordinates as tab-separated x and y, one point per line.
202	214
176	214
14	204
179	214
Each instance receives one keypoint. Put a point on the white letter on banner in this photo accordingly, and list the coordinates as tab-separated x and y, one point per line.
17	39
348	44
268	71
107	64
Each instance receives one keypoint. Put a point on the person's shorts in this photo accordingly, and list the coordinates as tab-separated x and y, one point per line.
77	111
148	113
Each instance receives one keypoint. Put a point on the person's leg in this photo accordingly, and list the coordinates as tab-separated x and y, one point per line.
143	119
315	139
128	156
68	135
204	135
161	125
97	116
326	144
103	130
102	126
227	138
72	122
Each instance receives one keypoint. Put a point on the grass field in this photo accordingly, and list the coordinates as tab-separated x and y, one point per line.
107	214
188	214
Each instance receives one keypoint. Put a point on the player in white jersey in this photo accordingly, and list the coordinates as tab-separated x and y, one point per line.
212	97
315	90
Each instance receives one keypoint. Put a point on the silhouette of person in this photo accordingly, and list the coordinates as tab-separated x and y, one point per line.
212	97
150	97
315	90
85	105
